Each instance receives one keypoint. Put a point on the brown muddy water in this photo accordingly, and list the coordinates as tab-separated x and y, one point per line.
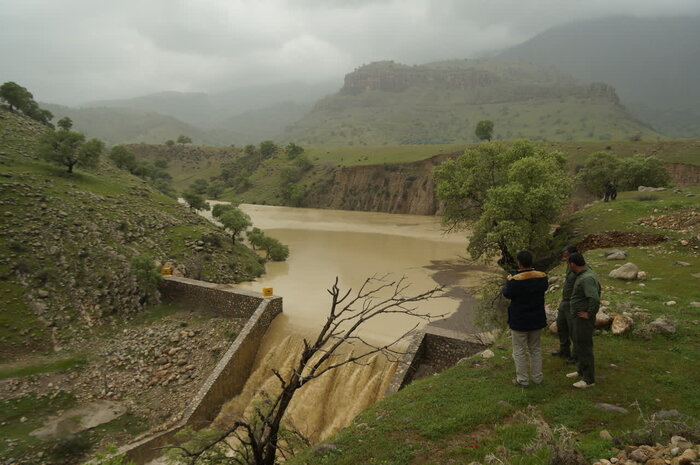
352	246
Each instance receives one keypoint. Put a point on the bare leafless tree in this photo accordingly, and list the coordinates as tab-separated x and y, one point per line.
258	440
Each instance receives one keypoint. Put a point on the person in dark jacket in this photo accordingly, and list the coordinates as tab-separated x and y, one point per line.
585	301
526	318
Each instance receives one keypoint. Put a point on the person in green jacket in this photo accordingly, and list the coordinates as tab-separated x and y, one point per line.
585	301
565	328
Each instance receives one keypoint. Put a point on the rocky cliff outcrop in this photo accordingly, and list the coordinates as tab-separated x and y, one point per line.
391	188
409	188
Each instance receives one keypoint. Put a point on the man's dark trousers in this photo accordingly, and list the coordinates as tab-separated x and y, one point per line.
583	342
565	329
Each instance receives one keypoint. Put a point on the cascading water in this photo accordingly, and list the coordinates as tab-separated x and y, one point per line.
352	246
321	407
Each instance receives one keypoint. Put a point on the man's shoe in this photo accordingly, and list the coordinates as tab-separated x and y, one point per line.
559	353
582	384
571	361
573	374
516	383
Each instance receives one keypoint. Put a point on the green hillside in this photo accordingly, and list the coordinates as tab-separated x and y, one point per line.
68	242
390	103
472	413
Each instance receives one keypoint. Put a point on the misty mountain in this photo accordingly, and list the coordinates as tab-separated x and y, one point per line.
217	110
391	103
126	125
654	63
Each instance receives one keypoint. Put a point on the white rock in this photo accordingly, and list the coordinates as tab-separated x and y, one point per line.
488	353
642	275
670	303
621	324
627	271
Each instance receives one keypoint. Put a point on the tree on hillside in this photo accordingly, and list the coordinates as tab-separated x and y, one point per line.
509	196
195	201
69	148
221	208
293	150
256	237
65	123
250	149
629	173
463	183
183	140
169	142
199	186
147	276
19	98
267	148
600	167
236	221
260	437
123	158
484	129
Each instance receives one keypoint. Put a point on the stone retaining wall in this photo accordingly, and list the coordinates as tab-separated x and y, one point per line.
231	372
220	299
439	348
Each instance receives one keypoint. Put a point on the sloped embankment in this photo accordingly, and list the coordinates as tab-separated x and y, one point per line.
68	241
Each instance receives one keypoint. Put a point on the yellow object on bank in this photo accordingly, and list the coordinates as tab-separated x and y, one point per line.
267	292
166	271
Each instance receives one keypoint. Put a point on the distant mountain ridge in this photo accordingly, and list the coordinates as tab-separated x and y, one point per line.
387	102
654	63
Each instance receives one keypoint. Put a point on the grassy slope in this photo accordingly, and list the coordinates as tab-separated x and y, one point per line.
121	199
468	411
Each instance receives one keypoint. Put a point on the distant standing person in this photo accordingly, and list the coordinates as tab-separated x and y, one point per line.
585	301
565	318
526	318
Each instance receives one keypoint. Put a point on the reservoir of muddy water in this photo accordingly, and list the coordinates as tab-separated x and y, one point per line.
325	244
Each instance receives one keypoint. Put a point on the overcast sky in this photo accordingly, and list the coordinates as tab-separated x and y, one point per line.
73	51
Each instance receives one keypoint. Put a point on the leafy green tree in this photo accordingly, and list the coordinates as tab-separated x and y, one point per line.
250	149
19	98
642	171
267	148
293	150
169	142
236	221
183	140
221	208
161	163
256	237
215	190
597	171
276	251
510	197
518	214
123	158
16	96
195	201
65	123
199	186
69	148
463	183
484	130
147	277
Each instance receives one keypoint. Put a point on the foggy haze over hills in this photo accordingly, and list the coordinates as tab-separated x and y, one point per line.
72	52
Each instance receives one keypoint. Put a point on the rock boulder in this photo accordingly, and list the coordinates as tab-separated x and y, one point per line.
628	271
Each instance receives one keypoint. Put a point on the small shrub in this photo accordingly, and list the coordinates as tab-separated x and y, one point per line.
147	277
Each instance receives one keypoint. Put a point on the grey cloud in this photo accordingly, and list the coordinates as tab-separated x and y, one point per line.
79	50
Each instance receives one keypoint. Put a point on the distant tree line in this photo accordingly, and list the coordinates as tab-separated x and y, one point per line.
155	173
